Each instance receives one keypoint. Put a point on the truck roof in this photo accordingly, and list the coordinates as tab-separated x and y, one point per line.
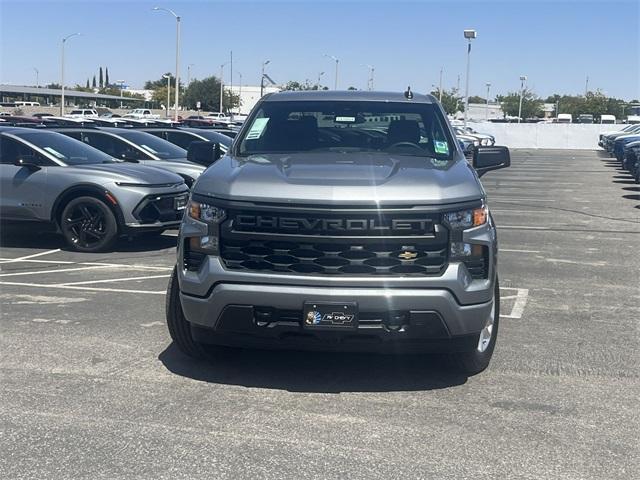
346	95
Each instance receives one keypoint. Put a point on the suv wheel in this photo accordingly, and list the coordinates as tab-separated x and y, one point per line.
88	225
178	325
476	361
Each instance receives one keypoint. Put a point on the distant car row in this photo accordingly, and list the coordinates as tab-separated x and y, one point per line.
470	139
625	146
95	183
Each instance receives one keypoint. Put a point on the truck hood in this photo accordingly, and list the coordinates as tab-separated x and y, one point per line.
340	179
127	172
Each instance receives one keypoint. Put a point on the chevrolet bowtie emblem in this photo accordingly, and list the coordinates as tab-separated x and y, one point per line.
407	255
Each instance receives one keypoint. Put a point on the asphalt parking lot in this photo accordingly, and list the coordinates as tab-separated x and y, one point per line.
92	387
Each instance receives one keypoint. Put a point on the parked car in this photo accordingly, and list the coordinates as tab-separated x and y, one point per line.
141	113
219	116
183	137
620	143
88	196
609	139
83	113
585	118
564	118
630	156
42	115
483	139
610	119
138	147
611	132
328	226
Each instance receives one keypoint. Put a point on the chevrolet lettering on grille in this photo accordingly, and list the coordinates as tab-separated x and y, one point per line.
248	222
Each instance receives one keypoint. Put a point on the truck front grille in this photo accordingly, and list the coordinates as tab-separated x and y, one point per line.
401	252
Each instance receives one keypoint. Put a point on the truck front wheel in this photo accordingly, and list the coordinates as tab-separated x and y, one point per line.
476	361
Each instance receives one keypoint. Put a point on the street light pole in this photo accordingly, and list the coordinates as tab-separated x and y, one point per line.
318	84
239	91
177	57
121	82
335	59
469	35
37	77
221	85
440	87
264	64
487	111
168	77
523	79
64	41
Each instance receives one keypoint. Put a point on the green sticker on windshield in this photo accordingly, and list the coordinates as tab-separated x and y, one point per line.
442	147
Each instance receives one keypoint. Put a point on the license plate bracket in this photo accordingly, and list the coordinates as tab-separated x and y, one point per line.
330	316
180	203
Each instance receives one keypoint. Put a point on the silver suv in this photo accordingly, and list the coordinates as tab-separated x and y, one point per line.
341	221
88	196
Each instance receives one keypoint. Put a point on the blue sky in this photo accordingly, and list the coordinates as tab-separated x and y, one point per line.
555	43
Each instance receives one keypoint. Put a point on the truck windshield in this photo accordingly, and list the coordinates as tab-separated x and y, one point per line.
346	127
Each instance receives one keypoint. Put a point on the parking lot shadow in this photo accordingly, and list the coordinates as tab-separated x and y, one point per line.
33	236
317	372
631	197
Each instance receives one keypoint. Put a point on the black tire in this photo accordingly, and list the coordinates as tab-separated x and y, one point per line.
471	363
178	325
88	225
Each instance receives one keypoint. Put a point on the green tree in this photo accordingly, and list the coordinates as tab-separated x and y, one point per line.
477	99
101	83
93	83
207	92
55	86
306	85
88	86
451	100
106	77
80	88
531	104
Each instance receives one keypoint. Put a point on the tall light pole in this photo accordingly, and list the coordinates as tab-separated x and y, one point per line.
370	77
37	77
121	82
264	64
168	77
189	72
488	84
239	90
469	35
440	87
177	55
523	79
586	86
64	41
319	76
222	84
335	59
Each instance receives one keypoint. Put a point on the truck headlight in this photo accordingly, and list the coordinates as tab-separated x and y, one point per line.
464	219
211	215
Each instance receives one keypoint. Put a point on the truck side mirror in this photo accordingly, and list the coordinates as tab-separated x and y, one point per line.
486	159
203	152
28	164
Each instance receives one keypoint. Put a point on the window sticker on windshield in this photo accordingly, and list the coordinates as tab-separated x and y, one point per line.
257	128
441	147
54	152
148	148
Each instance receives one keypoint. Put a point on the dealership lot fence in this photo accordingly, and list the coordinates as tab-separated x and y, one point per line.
546	135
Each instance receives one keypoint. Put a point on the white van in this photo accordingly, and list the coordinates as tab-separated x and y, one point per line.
26	104
565	118
607	119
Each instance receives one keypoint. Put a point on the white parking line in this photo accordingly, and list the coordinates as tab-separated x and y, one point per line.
521	227
42	272
518	251
31	256
521	300
115	265
110	280
92	289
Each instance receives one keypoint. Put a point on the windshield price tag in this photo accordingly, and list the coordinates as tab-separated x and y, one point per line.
257	128
441	147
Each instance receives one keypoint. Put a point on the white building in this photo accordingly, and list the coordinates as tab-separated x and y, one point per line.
249	95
